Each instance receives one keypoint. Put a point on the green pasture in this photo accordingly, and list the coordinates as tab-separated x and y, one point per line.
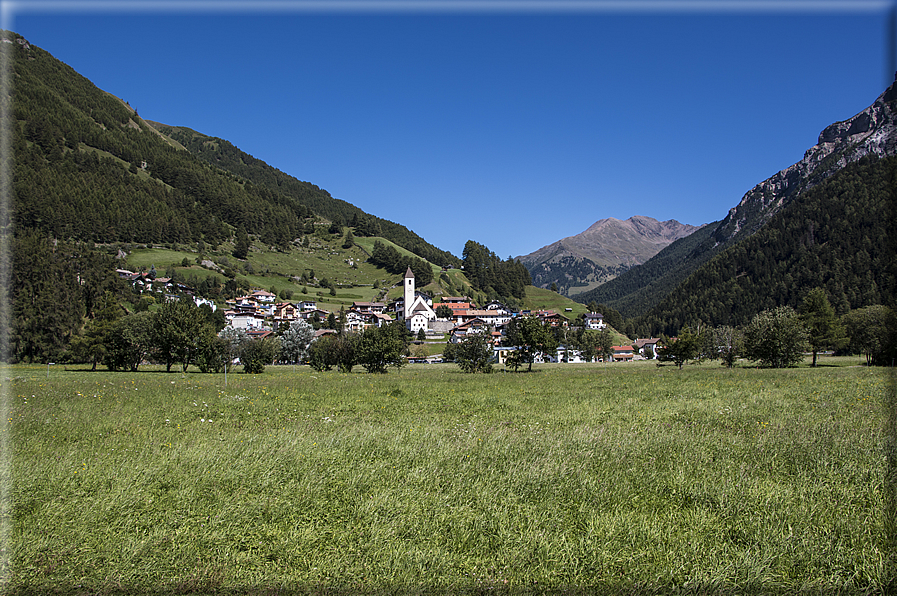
273	269
161	258
542	299
620	478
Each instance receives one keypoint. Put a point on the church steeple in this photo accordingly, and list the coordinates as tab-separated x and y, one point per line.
409	292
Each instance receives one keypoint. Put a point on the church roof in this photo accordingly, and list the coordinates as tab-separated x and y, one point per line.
409	273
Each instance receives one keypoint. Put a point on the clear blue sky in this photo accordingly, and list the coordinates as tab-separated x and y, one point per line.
513	127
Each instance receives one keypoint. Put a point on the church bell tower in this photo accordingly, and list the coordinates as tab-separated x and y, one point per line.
409	292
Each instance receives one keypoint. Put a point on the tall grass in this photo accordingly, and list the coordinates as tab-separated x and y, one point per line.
589	477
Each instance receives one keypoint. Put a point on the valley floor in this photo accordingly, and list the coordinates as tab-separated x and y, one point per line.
625	477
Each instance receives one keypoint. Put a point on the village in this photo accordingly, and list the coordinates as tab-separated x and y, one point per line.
259	314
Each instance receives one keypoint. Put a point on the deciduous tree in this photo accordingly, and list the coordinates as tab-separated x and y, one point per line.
869	333
474	353
177	330
728	342
684	348
381	347
129	341
295	341
531	336
775	338
257	353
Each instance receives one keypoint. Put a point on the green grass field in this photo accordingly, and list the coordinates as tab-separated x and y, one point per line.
576	478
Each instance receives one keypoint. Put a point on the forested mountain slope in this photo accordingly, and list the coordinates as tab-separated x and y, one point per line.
225	155
838	235
870	134
600	253
89	168
638	289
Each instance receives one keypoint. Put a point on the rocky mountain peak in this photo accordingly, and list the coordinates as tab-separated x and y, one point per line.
604	250
871	132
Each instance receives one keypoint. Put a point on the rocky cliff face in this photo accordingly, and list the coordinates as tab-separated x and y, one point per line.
871	132
603	251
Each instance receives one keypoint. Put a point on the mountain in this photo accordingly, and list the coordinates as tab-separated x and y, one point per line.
869	135
89	168
606	249
837	236
94	187
223	154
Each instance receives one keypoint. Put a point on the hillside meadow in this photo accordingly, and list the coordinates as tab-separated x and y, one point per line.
624	478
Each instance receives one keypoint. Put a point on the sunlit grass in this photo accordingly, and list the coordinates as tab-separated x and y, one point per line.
582	477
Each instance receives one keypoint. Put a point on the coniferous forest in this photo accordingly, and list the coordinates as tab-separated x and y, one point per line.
838	236
89	171
89	168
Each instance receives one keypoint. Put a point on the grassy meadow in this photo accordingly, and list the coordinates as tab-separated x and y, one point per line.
623	478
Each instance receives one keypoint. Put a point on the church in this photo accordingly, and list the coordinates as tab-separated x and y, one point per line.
416	312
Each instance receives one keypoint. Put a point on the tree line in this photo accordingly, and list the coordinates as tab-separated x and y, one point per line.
779	337
387	257
496	278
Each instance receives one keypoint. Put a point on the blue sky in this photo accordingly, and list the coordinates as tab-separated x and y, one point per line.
514	126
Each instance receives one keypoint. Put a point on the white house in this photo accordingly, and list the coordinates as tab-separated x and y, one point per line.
263	296
247	321
200	301
595	321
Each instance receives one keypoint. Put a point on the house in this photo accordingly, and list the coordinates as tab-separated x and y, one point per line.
568	354
357	321
500	353
381	319
263	296
622	354
458	333
492	317
307	305
496	305
648	347
457	308
259	333
594	320
552	318
246	321
200	301
374	307
309	315
286	311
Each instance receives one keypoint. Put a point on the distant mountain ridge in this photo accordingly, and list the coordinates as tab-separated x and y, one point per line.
606	249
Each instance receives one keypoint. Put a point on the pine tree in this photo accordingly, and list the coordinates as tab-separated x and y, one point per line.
824	329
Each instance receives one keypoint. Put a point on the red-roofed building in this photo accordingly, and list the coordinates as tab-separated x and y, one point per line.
622	354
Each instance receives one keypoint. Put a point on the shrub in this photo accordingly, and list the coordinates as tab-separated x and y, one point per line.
258	353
